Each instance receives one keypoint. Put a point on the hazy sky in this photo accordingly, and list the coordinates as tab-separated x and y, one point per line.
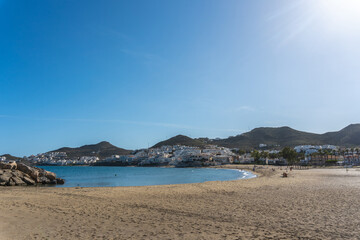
137	72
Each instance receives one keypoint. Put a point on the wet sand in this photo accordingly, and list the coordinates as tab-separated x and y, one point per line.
309	204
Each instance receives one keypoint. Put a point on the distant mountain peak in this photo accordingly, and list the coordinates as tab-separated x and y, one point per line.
181	136
102	150
273	128
181	140
104	144
272	136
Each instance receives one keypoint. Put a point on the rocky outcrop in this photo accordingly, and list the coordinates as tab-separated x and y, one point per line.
11	165
31	171
19	174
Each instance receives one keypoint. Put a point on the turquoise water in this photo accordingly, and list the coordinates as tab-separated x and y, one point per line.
84	176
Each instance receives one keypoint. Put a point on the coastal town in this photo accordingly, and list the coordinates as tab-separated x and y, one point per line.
211	155
171	119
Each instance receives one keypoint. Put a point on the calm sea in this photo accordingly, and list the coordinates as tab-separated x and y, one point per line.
84	176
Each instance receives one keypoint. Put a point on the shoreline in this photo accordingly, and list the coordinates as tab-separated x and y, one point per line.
243	175
315	203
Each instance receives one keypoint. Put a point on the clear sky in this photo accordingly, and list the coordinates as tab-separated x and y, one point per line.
137	72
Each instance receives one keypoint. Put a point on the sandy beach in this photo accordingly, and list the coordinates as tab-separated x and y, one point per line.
309	204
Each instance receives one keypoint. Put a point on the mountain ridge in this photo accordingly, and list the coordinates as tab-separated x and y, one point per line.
276	136
272	136
180	140
102	150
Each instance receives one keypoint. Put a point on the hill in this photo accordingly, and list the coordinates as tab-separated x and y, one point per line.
181	140
102	150
286	136
10	157
280	137
17	159
349	136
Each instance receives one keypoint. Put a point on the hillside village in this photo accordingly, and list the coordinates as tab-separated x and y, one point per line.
177	156
211	155
259	146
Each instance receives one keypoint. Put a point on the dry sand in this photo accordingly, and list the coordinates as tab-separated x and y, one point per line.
309	204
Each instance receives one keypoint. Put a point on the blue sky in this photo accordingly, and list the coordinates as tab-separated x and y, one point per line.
137	72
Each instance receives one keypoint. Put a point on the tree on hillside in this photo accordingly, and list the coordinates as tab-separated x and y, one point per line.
290	155
256	155
273	155
301	155
241	152
264	154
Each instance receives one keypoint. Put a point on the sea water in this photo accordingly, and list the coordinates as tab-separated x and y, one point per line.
85	176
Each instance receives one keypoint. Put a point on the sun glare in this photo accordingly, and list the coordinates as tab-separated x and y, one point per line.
340	13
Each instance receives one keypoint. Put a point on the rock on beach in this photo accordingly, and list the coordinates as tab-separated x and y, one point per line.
19	174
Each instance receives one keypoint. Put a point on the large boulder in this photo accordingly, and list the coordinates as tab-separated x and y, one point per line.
60	181
26	175
50	175
18	174
18	181
24	168
11	182
28	180
5	176
32	172
44	180
12	165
